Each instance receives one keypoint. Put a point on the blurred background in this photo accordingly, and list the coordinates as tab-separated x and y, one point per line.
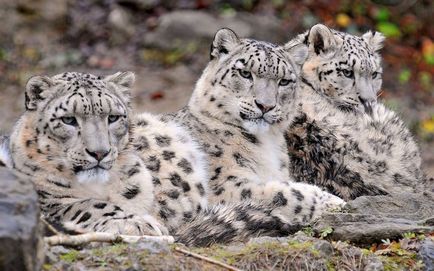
166	43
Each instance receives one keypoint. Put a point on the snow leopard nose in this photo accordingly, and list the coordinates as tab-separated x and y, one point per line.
98	155
264	107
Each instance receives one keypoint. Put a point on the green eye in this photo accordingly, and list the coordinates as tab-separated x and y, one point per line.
374	75
113	118
348	73
284	82
69	121
246	74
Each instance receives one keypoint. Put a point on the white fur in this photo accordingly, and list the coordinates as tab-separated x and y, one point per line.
258	127
5	155
96	176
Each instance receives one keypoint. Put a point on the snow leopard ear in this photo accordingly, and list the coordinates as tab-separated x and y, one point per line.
297	50
321	40
225	40
124	82
374	40
37	90
124	79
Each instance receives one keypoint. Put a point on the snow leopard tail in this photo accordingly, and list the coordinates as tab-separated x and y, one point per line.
225	223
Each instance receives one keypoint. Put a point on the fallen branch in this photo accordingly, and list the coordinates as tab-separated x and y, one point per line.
49	226
85	238
204	258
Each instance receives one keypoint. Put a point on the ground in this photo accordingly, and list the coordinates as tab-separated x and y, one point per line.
300	252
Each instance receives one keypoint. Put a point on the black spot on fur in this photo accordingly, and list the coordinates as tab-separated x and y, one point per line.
174	194
200	189
59	183
218	191
298	195
241	161
163	141
60	168
298	209
217	171
142	123
185	166
175	179
134	170
185	186
166	213
187	216
215	151
76	215
156	181
141	143
153	163
246	194
110	214
168	155
131	192
85	217
100	205
279	199
251	138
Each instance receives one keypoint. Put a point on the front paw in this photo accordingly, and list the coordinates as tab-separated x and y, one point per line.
333	203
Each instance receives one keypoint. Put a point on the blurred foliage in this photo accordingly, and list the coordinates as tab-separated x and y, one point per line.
53	35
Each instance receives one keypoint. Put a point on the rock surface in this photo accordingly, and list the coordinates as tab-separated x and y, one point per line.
20	230
374	218
180	28
426	254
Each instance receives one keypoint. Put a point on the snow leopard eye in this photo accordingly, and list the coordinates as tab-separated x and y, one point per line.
285	82
348	73
245	74
113	118
69	121
374	75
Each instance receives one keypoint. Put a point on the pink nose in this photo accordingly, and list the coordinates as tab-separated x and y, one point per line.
264	108
98	155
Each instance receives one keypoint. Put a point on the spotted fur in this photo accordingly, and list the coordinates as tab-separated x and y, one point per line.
342	139
237	112
97	167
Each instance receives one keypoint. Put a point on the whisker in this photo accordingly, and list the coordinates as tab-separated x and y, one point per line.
380	93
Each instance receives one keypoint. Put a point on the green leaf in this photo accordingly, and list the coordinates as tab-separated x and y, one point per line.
326	231
425	79
382	15
429	59
390	30
404	76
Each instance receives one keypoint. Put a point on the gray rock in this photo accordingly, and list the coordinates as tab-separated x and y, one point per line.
371	219
121	25
20	230
180	28
268	239
373	263
426	254
325	248
153	246
405	205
